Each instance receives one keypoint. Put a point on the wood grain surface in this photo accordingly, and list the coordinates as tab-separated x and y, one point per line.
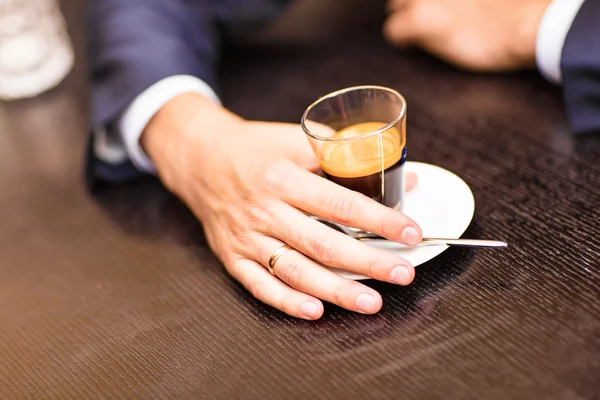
116	295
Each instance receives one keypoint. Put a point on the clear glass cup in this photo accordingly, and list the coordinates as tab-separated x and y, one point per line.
359	136
35	50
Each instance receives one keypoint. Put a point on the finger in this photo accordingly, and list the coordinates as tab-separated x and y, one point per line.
411	181
303	274
335	249
401	28
270	290
349	208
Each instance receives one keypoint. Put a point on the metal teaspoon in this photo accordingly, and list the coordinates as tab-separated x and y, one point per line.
368	236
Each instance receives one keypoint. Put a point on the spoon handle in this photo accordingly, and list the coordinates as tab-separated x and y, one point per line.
448	242
464	242
368	236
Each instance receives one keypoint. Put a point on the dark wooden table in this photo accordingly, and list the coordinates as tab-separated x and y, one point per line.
115	294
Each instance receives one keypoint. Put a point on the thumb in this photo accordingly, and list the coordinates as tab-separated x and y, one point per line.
411	181
297	146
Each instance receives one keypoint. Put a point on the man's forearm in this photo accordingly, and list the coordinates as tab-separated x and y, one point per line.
139	113
134	45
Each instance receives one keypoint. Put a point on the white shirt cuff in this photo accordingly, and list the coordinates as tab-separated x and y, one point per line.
552	33
141	110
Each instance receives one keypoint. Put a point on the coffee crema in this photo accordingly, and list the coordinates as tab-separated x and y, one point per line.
370	165
351	159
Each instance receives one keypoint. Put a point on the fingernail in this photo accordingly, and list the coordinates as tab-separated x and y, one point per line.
400	275
365	303
411	236
309	310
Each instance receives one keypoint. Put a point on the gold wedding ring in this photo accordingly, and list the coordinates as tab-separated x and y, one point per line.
275	256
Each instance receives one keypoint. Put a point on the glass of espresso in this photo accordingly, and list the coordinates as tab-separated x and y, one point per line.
359	136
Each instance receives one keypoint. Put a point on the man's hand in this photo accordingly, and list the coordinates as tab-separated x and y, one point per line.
251	185
478	35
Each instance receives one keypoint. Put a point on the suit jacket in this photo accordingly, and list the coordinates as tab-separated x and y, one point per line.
135	43
580	65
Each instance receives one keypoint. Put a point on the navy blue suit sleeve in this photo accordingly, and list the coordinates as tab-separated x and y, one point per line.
135	43
580	65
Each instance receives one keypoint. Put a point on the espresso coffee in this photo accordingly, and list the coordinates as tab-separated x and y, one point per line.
372	166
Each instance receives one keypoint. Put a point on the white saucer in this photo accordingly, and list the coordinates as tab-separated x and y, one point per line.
443	206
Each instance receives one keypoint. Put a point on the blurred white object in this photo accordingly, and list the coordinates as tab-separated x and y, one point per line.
35	50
